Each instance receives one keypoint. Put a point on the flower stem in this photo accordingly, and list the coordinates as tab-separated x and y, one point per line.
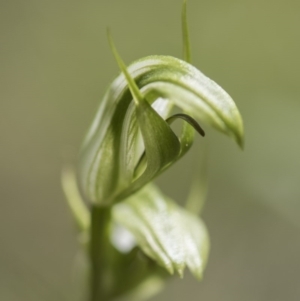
100	280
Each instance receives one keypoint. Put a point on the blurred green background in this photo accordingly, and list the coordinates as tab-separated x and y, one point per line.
55	65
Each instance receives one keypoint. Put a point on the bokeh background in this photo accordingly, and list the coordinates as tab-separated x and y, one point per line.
55	65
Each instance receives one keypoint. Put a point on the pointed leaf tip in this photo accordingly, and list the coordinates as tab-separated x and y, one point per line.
180	272
130	81
185	34
240	137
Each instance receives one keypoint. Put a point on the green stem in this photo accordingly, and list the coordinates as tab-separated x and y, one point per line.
100	281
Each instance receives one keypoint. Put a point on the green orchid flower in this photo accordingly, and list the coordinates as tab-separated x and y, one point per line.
131	142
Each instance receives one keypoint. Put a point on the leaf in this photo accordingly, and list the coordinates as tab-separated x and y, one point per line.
162	146
78	208
199	186
107	150
168	234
